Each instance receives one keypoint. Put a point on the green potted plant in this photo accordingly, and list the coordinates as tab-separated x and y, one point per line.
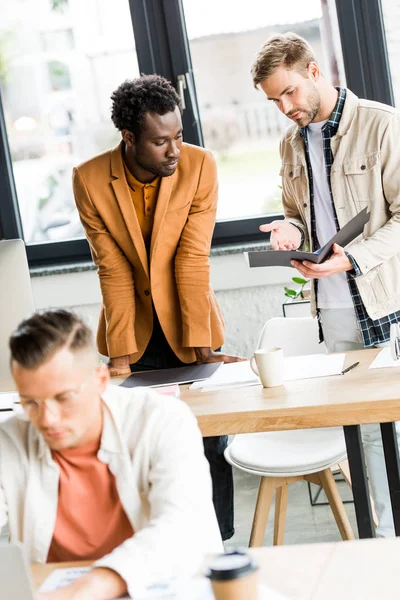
298	301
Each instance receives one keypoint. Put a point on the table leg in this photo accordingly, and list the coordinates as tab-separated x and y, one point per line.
359	481
391	450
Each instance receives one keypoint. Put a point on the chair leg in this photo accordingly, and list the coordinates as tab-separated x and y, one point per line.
345	470
329	484
264	499
281	500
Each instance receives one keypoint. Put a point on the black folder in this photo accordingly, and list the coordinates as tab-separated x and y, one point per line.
282	258
177	375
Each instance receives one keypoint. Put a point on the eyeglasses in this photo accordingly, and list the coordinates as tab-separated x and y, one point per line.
64	403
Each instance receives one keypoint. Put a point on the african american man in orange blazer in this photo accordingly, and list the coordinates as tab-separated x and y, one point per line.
148	208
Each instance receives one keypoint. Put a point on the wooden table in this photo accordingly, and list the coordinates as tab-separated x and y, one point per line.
360	396
364	569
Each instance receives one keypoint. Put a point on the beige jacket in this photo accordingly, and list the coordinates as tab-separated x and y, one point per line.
365	172
153	446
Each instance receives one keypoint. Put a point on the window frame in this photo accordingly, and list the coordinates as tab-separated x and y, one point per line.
162	47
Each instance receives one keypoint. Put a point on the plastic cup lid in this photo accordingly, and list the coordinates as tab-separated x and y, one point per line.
231	565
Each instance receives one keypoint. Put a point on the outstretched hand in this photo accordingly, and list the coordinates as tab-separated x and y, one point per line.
284	235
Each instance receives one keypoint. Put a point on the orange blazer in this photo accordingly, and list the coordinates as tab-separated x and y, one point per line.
179	285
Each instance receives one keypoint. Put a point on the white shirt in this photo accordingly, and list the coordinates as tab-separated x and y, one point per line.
153	447
334	291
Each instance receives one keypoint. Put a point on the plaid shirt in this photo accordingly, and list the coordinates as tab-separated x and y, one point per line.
373	332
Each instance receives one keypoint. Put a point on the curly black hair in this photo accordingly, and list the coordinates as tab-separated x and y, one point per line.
134	98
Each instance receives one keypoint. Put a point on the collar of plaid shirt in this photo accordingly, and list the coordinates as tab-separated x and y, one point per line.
333	122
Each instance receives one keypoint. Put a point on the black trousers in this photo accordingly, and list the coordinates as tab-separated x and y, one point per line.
159	355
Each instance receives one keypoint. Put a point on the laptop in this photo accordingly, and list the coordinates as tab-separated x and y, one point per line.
15	579
16	301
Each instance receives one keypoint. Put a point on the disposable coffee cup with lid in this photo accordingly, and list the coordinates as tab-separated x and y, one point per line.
233	576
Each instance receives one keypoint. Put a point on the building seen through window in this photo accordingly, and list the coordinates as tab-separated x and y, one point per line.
59	62
239	125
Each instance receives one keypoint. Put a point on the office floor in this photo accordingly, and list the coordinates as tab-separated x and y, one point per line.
304	523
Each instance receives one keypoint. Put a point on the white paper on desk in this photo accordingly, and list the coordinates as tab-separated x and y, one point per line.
62	577
229	374
7	400
198	588
384	359
240	374
174	589
313	365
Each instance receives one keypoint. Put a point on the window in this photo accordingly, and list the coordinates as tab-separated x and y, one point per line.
391	17
239	125
61	59
59	40
59	63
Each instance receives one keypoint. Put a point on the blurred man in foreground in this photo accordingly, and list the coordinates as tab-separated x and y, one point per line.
97	472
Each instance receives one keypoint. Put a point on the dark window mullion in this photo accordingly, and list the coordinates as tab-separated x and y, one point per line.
181	64
10	218
162	47
149	29
364	49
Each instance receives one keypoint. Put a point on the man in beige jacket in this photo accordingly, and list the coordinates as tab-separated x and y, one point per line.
92	471
339	156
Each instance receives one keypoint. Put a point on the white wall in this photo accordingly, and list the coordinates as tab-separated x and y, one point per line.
248	297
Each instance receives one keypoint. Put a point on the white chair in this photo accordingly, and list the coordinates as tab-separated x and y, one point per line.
296	336
284	457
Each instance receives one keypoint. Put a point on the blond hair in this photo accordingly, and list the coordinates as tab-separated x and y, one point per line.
288	50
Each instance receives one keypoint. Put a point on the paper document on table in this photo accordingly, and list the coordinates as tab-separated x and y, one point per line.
240	374
229	374
384	359
197	588
313	365
7	400
62	577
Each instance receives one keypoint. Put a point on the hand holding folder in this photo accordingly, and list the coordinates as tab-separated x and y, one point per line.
282	258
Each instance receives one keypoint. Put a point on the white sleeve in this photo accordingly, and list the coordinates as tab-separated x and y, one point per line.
182	525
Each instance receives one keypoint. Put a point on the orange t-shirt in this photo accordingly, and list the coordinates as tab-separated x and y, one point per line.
91	521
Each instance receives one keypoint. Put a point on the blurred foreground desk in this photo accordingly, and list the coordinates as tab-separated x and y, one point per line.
360	396
364	569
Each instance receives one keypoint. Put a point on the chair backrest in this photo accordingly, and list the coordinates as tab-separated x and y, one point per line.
296	336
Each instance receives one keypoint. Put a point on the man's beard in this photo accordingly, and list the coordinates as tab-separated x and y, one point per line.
156	171
309	113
